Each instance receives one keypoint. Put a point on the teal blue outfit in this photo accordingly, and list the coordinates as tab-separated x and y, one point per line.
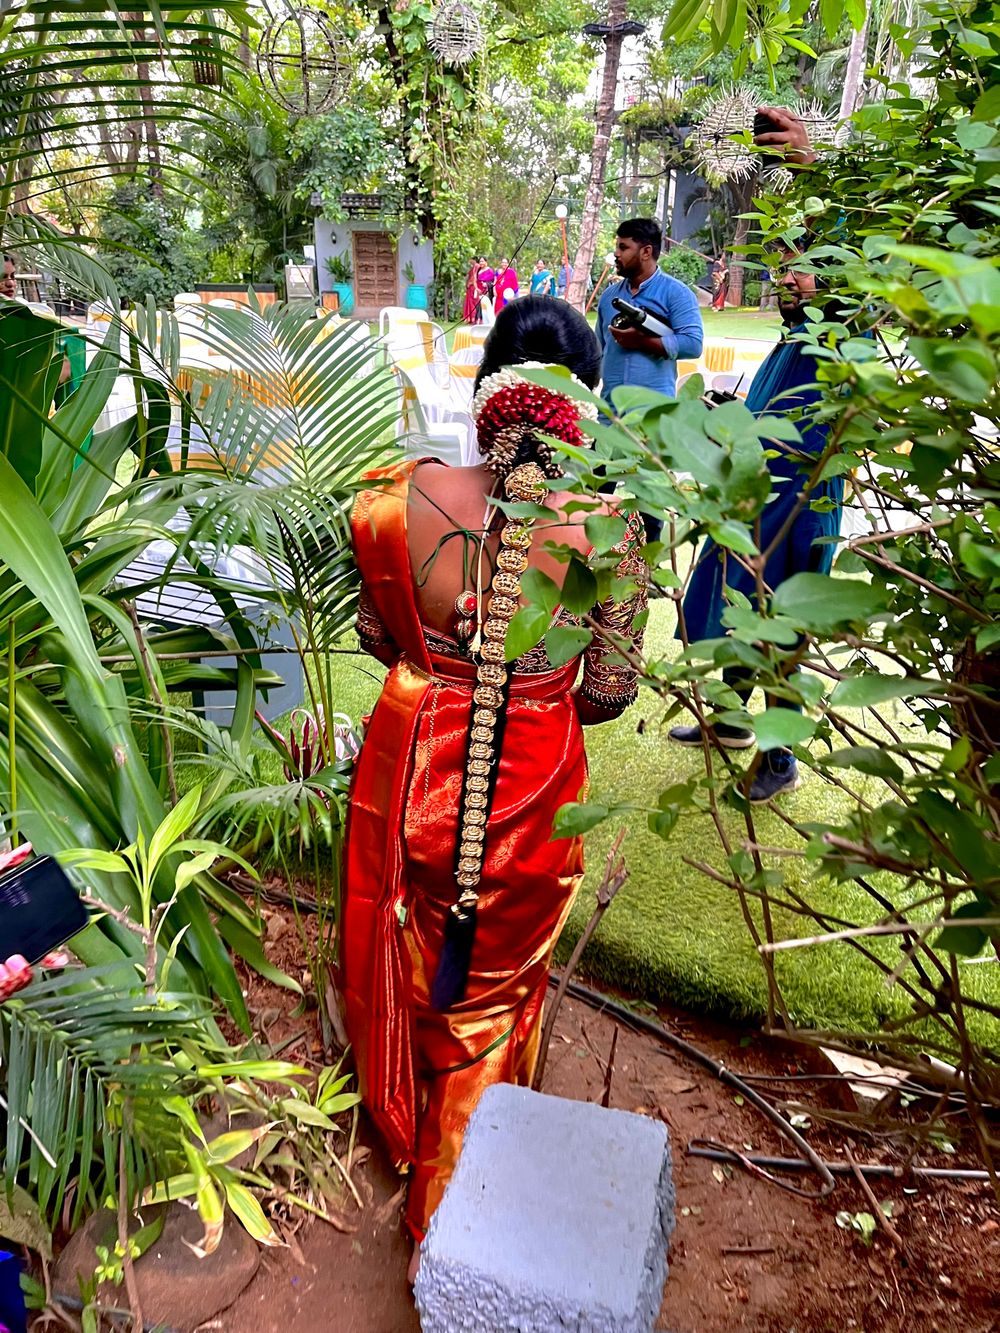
785	381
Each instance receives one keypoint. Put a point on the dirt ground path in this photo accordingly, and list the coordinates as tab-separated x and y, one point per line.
745	1255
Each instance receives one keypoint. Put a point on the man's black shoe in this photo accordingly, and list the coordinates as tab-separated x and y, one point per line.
777	773
732	738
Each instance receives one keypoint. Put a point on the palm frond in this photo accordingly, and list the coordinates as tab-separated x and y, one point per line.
86	1056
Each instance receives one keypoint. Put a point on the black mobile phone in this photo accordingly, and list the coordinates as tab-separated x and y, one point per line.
765	125
39	909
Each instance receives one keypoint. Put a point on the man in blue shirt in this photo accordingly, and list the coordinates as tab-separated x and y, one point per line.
633	356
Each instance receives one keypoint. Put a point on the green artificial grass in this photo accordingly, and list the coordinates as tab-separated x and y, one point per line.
763	324
674	935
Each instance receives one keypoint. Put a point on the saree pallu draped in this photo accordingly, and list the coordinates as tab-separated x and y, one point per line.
422	1071
470	307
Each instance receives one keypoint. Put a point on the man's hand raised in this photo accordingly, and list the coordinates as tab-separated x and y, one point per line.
789	136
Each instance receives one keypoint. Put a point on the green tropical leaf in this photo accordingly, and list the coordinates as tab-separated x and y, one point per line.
248	1212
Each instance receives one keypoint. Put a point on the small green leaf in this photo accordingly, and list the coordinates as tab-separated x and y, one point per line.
577	817
94	859
540	590
604	531
579	590
777	727
818	602
663	823
865	691
866	759
563	643
525	630
988	104
967	940
735	536
307	1114
224	1147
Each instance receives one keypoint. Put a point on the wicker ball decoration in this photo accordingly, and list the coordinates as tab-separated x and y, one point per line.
722	158
718	155
303	62
456	34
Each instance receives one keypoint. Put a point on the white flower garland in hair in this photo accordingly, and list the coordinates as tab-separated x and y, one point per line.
508	376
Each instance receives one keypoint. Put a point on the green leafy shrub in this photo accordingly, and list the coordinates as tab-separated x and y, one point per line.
145	246
683	264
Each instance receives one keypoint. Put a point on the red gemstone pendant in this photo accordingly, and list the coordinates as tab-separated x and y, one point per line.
465	604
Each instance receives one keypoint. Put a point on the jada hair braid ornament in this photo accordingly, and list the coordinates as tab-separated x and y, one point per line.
509	414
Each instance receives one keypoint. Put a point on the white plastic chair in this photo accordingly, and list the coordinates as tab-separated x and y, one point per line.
224	303
440	366
462	374
434	406
186	298
391	316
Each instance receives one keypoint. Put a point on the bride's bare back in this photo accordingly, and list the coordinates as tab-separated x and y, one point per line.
444	501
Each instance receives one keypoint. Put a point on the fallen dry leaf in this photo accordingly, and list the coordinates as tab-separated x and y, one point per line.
674	1085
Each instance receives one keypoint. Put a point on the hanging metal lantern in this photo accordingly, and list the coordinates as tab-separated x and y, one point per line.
456	34
206	66
303	62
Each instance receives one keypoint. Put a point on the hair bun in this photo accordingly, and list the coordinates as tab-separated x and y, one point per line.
511	416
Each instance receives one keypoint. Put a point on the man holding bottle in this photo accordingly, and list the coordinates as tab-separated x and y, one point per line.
638	355
646	354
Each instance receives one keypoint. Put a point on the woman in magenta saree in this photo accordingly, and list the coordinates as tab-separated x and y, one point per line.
465	763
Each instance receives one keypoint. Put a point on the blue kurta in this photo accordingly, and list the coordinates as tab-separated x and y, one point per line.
672	303
788	367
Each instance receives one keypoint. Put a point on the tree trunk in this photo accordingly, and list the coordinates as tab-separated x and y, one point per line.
604	125
854	74
736	270
148	125
741	195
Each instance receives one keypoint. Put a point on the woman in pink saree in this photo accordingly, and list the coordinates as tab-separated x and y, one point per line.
506	284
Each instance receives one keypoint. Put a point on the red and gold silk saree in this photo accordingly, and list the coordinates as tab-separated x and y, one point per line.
422	1071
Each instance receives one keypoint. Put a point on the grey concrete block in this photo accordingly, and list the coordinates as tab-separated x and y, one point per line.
557	1217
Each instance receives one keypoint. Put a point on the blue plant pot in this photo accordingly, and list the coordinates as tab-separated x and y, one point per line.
416	296
345	292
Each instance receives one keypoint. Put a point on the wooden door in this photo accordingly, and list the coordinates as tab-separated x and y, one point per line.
375	281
